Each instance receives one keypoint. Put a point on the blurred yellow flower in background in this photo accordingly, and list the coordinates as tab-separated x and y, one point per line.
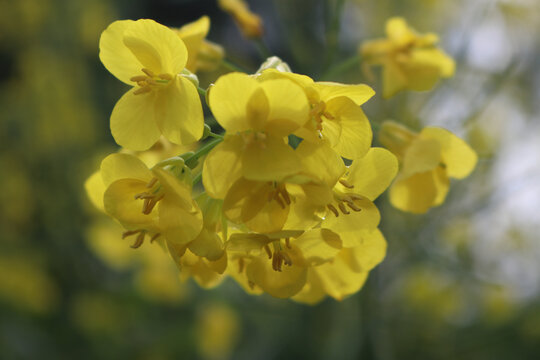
410	60
249	23
428	159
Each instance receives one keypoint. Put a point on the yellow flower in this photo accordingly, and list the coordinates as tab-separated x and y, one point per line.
346	273
150	57
250	24
278	263
335	114
130	192
202	54
428	160
410	60
257	116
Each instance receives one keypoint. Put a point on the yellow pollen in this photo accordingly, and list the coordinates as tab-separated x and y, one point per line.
151	197
138	78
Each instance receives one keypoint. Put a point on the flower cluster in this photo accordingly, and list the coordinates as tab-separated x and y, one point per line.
283	200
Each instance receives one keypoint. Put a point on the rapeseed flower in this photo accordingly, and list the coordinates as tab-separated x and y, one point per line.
428	160
249	23
410	60
150	57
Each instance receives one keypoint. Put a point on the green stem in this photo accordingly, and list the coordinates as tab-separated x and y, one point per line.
201	91
197	178
192	160
215	136
332	34
341	67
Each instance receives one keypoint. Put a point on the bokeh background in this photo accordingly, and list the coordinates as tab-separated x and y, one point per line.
462	282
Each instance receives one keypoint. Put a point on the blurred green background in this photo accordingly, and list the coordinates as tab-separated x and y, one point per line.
462	282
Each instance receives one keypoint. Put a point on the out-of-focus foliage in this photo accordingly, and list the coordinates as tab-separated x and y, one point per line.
462	281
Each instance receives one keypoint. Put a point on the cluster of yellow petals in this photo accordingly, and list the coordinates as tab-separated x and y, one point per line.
410	60
428	160
249	23
287	202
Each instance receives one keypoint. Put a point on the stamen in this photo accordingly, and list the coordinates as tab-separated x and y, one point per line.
285	195
288	243
278	199
151	82
139	241
125	234
343	208
152	183
153	238
138	78
346	183
354	207
333	209
328	115
148	72
142	90
276	263
251	284
268	251
165	76
240	265
285	258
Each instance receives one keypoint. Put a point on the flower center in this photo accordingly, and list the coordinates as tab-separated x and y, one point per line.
318	110
280	195
149	80
343	202
279	256
151	197
139	240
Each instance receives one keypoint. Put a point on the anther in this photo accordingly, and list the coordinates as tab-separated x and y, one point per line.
333	209
346	183
288	243
353	206
125	234
142	90
139	241
153	238
165	76
279	201
138	78
285	195
240	265
343	208
268	251
148	72
328	115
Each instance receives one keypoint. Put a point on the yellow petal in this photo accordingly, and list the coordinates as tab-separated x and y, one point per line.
252	203
247	242
269	160
222	167
356	135
115	56
228	100
95	189
175	190
257	110
442	185
193	35
282	284
369	254
399	32
373	173
321	162
394	78
458	157
313	292
414	194
179	112
423	155
120	203
337	279
133	121
288	106
156	47
359	94
318	246
178	225
123	166
349	227
421	69
207	244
